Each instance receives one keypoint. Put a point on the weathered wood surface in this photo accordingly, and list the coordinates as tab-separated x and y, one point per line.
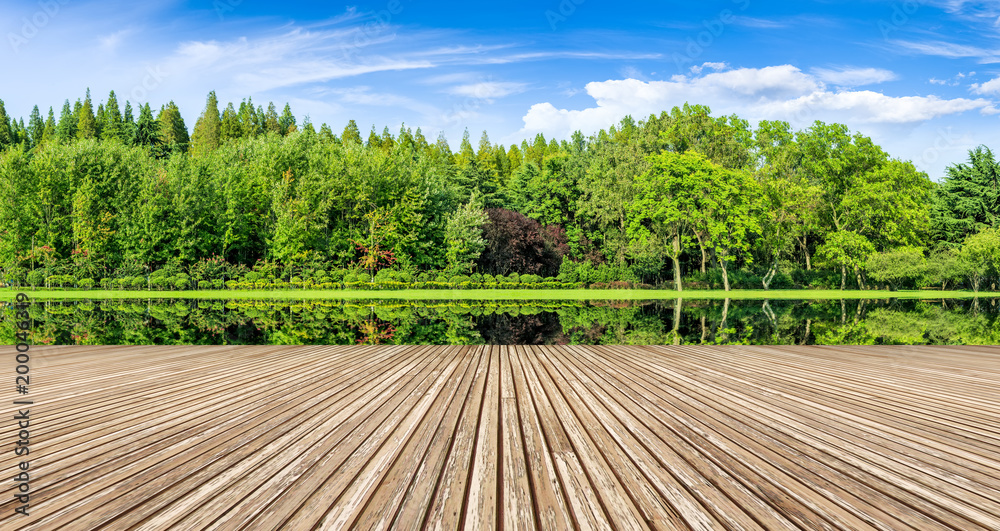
512	437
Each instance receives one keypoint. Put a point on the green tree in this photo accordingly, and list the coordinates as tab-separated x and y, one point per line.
173	132
980	254
114	125
207	135
66	130
6	134
147	129
968	200
464	236
846	249
86	122
287	121
351	134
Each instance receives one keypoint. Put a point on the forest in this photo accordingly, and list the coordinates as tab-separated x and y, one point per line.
254	198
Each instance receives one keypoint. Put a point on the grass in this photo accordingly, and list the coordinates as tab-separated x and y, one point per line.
498	294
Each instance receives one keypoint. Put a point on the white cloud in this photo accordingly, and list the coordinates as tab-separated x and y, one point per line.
488	90
854	77
714	66
775	93
990	87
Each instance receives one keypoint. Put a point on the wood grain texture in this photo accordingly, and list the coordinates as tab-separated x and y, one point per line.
510	437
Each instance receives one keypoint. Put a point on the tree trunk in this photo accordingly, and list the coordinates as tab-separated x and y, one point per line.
843	277
676	257
725	274
843	311
677	321
704	330
805	338
704	254
857	274
770	275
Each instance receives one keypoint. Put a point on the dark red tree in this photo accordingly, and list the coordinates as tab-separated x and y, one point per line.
516	243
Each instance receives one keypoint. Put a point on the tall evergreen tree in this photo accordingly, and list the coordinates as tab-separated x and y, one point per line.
6	131
230	127
128	123
326	134
147	129
207	130
86	123
374	141
173	132
49	133
248	119
271	124
114	125
287	121
36	127
66	130
99	121
351	134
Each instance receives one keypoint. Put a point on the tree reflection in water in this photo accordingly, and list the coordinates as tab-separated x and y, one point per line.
676	322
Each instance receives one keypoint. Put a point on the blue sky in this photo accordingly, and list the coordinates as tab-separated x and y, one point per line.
920	77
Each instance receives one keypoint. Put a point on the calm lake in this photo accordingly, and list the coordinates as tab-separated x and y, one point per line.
800	322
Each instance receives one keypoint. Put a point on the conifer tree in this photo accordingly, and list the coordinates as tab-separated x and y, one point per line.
128	123
351	134
271	124
374	141
287	121
173	132
147	129
465	153
6	131
99	119
36	127
50	127
230	127
66	130
113	127
207	130
86	123
326	134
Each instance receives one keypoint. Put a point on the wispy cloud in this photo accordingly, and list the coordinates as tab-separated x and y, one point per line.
990	87
854	77
488	90
952	50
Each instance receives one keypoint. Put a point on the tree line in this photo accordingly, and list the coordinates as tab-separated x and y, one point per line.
681	199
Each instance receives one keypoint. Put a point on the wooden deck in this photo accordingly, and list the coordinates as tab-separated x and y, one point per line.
414	437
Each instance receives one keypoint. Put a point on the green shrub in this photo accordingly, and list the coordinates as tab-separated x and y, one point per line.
181	282
217	283
137	282
204	284
85	283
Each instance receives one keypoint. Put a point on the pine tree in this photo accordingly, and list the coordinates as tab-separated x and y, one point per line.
351	134
99	119
248	119
326	134
465	153
207	130
147	129
86	123
6	132
374	141
173	132
128	123
230	127
271	124
36	127
387	140
66	130
287	121
113	123
50	127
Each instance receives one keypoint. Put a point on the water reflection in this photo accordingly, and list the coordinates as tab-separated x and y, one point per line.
120	322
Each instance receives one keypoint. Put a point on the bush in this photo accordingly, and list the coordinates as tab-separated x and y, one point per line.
85	283
137	283
217	283
204	284
181	282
